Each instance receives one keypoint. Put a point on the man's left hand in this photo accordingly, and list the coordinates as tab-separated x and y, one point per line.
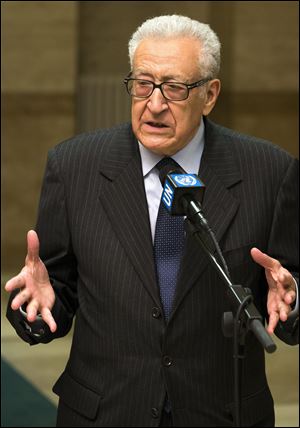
282	288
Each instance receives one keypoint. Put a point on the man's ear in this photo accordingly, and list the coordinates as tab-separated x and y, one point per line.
211	95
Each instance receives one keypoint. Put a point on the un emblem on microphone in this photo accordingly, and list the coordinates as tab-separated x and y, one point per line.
185	180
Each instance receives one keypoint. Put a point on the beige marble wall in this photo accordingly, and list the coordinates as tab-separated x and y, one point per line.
106	26
265	47
39	46
39	68
264	84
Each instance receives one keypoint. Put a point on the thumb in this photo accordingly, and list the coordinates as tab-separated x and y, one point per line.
33	246
263	259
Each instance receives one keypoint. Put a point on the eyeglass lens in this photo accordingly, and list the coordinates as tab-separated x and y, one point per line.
143	88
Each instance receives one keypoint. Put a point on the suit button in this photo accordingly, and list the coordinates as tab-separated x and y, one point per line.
167	361
156	312
154	412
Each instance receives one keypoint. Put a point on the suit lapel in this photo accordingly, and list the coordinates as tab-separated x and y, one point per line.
123	197
219	172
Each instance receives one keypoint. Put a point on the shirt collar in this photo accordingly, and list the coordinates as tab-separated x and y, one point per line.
188	158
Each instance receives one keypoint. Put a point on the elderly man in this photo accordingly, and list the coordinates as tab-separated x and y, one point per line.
148	347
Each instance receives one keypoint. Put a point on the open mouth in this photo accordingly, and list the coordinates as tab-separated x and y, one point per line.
156	125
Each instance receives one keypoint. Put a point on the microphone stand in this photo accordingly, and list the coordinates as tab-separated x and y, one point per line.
246	317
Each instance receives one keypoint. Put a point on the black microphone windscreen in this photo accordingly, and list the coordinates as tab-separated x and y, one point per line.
169	167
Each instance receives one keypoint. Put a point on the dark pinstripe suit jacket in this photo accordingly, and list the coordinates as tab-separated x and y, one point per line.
96	242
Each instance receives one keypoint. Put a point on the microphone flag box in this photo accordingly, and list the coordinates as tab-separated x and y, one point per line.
177	185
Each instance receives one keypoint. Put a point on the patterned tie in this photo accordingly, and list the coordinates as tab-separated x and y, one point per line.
168	249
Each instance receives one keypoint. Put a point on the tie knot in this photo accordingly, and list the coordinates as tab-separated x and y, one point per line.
166	161
166	166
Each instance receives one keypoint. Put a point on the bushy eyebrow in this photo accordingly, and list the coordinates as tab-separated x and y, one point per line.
165	78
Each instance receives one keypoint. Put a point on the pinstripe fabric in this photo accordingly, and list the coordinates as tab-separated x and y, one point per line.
96	242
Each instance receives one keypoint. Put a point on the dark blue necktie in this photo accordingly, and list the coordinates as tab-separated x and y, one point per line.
168	249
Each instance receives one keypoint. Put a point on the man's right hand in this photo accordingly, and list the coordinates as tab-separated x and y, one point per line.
34	284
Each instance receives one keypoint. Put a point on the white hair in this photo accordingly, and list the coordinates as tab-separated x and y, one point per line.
170	26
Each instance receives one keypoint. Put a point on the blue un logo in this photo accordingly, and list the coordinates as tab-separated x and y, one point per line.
185	180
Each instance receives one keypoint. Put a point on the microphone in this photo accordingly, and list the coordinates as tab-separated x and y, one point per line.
182	193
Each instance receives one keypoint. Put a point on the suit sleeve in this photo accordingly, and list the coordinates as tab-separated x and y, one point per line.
284	242
57	254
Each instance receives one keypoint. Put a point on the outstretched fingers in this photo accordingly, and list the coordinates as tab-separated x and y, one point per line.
22	297
264	260
17	281
48	318
33	246
32	310
282	289
273	321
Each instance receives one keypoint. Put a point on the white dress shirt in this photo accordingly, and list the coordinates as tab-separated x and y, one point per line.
188	158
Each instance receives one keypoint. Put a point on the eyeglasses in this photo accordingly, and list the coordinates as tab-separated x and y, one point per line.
172	91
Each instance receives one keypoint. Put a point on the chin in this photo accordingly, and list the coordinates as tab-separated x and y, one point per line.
159	147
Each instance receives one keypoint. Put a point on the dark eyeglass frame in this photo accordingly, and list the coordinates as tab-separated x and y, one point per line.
160	86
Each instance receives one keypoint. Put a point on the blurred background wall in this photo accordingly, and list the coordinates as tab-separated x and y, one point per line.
62	69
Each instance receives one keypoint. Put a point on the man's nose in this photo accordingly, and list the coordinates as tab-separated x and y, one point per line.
157	102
